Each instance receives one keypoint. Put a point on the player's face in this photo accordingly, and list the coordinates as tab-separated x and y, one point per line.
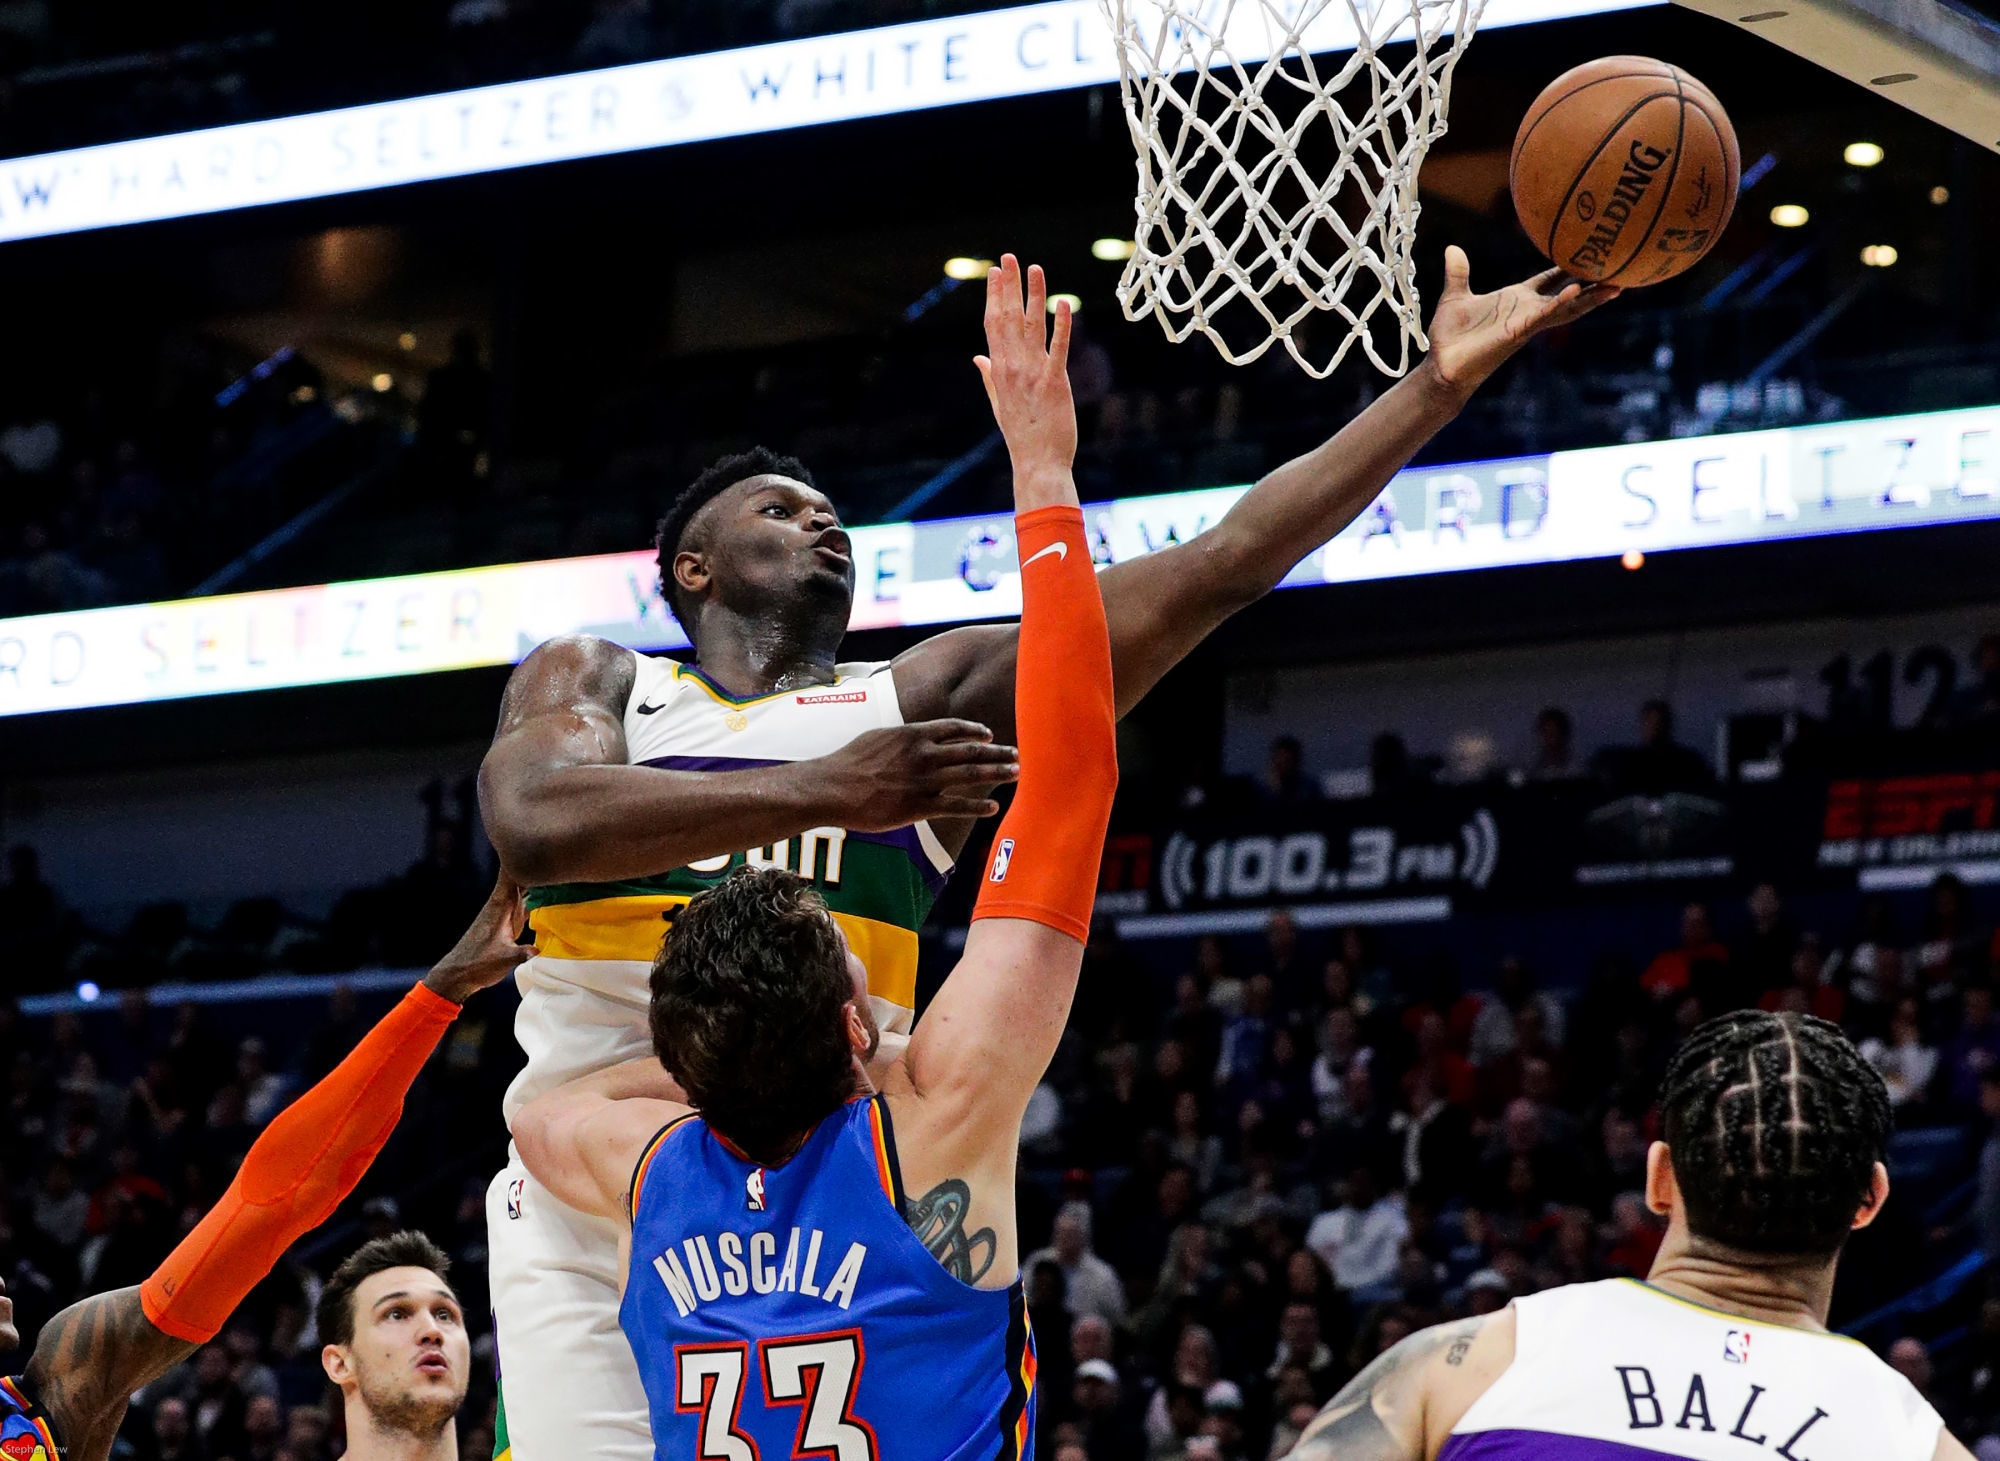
10	1337
769	538
410	1356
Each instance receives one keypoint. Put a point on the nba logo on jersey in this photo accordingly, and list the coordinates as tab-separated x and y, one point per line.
1002	855
515	1191
1736	1346
753	1189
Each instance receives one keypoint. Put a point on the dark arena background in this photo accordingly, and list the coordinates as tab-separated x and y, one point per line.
1666	682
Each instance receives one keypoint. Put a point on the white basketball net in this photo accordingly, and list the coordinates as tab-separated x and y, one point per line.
1221	97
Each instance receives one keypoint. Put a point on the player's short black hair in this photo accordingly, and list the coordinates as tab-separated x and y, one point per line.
408	1249
718	477
1775	1123
747	995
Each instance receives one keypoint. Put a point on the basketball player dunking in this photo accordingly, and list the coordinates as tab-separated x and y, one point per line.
619	785
816	1269
1775	1132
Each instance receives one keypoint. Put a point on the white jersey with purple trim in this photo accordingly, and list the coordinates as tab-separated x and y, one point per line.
1621	1371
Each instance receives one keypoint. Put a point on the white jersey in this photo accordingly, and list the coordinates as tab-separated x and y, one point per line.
1620	1371
584	997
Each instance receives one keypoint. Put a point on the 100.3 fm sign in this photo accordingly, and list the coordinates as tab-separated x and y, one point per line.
1445	849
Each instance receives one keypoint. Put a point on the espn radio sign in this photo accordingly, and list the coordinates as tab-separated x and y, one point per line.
1904	820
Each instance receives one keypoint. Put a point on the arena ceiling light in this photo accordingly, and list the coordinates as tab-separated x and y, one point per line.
1879	256
1075	304
964	267
1113	250
1790	215
1020	51
1863	154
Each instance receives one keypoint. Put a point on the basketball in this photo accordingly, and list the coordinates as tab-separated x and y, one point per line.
1624	170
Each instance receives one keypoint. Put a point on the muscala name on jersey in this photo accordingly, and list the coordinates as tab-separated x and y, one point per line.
814	856
736	1264
1748	1412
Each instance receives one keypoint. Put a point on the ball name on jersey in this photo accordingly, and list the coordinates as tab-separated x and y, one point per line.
741	1265
1760	1417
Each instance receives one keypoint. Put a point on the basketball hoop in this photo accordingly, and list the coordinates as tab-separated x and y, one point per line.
1260	193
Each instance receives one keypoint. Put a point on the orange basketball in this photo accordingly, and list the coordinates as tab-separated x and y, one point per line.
1624	170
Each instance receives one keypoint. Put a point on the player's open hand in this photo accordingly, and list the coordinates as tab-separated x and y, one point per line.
488	951
1473	334
1027	380
897	775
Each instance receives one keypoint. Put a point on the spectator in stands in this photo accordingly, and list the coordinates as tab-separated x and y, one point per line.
1806	991
1285	782
1246	1045
1987	1199
1108	1432
1340	1050
1974	1050
1907	1063
1762	957
1978	704
1691	963
265	1091
1495	1033
33	918
1391	771
1295	981
453	421
1554	756
1179	1405
1360	1239
1658	764
1092	1286
1950	941
172	1435
1301	1346
1910	1357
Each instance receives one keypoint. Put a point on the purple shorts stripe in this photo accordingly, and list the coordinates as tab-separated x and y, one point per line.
1541	1446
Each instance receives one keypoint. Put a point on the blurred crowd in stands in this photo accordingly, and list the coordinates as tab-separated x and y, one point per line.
134	489
1255	1163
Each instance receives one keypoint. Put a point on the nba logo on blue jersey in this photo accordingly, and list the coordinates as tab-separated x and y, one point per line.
753	1189
515	1191
1001	857
1736	1346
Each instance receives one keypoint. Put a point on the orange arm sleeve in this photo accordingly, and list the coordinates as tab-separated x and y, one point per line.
1045	859
308	1159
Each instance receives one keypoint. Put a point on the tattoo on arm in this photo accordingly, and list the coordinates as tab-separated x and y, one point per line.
89	1360
938	1220
1379	1416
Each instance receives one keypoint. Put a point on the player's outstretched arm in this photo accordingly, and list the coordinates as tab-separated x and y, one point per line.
986	1040
92	1356
1404	1404
582	1141
1161	606
561	804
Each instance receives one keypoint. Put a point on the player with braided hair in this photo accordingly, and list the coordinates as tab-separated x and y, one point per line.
1775	1129
1752	1097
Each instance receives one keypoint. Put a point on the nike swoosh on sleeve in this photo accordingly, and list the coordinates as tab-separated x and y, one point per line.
1060	547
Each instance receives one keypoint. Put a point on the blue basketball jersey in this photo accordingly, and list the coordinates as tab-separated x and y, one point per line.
789	1312
24	1430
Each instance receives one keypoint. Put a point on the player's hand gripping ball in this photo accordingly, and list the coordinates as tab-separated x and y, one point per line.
1625	171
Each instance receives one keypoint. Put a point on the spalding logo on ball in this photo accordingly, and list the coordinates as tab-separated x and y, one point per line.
1624	171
